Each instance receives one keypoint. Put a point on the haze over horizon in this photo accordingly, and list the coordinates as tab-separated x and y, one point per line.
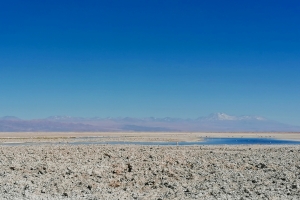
182	59
215	122
218	115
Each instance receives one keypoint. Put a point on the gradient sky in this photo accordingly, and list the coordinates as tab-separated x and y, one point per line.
150	58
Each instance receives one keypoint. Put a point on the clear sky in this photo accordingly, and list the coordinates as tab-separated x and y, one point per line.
150	58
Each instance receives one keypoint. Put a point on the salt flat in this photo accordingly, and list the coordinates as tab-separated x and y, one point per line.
149	172
51	171
133	136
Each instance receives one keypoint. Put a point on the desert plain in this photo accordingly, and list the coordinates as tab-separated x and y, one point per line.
50	170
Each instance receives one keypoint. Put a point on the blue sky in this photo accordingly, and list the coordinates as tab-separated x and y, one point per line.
150	58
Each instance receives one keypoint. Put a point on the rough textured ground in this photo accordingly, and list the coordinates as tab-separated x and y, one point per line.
145	172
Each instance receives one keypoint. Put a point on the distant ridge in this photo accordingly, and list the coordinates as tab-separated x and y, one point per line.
216	122
9	118
223	116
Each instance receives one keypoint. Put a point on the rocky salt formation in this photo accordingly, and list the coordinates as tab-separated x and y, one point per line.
149	172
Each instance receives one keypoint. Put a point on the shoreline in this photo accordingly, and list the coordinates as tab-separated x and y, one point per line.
15	137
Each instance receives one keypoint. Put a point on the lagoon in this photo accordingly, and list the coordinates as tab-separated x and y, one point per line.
205	141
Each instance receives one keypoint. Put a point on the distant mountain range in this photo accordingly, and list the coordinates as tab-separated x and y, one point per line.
217	122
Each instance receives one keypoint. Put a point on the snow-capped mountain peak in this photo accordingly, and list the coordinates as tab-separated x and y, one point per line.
59	117
226	117
220	116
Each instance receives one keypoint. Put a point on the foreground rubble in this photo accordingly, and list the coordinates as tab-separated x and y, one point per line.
149	172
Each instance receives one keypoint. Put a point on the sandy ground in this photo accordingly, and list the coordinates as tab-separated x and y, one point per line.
131	136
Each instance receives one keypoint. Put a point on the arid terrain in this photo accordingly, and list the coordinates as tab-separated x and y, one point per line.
55	171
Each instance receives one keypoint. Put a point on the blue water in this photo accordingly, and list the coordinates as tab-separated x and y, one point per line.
207	141
247	141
